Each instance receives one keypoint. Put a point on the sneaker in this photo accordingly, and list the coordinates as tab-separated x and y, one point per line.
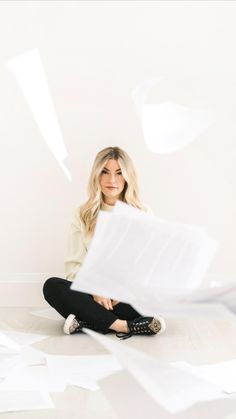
72	325
144	326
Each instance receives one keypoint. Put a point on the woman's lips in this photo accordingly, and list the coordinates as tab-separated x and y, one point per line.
111	187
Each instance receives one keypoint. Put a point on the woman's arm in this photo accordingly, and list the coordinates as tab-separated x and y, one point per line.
75	247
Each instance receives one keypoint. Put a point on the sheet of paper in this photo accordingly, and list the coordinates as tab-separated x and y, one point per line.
224	293
147	254
31	76
129	400
8	343
85	370
17	340
89	379
168	126
34	378
11	401
172	388
84	381
87	364
7	363
223	373
47	313
32	356
141	91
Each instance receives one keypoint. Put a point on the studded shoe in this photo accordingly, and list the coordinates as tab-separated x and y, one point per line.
73	325
144	326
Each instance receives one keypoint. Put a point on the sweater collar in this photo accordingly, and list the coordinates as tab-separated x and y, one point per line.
106	207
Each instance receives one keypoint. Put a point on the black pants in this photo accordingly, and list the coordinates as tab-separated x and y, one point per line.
66	301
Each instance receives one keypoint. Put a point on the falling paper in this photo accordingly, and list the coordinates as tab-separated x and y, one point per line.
168	127
129	399
29	72
169	386
165	260
140	93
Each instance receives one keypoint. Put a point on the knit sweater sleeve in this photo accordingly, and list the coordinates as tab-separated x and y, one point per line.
76	250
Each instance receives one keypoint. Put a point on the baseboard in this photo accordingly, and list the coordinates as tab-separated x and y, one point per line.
23	290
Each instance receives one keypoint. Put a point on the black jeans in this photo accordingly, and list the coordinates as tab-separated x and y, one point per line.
59	295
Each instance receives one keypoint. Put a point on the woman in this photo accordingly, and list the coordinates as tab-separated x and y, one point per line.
112	178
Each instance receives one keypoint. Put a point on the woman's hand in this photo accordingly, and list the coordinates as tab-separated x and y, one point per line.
105	302
114	302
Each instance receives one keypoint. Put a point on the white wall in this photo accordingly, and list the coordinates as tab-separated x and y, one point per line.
94	54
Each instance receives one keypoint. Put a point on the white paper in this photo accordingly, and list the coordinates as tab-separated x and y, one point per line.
168	126
33	378
84	370
85	381
83	363
225	294
17	340
172	388
32	356
141	91
47	313
8	343
223	373
164	260
11	401
31	77
7	363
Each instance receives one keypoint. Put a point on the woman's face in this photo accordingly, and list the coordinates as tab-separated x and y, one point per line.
111	181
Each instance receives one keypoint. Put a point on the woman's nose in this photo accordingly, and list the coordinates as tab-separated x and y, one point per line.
112	178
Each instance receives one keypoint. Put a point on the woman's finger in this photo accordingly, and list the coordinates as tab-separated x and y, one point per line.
106	304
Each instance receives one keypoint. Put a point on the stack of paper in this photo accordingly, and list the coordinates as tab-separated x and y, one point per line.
134	257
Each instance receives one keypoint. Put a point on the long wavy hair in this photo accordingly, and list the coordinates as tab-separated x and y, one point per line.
130	194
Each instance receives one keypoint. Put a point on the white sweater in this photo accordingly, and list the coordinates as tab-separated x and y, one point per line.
78	243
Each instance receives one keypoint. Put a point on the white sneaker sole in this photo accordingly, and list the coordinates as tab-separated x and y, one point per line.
163	324
67	324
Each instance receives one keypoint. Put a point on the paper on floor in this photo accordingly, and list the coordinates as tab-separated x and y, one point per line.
34	378
83	363
7	363
172	388
7	343
47	313
11	401
32	356
17	340
83	370
85	381
223	373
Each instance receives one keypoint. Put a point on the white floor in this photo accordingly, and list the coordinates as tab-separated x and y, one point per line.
197	338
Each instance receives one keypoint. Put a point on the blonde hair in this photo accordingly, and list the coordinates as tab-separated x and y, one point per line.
130	194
